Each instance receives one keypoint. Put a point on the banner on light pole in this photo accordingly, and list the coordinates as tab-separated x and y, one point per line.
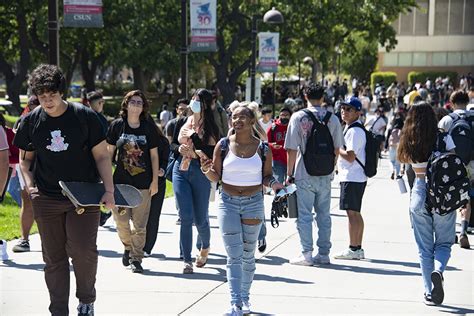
268	45
83	13
203	25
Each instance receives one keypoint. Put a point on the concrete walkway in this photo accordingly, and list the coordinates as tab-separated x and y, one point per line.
387	282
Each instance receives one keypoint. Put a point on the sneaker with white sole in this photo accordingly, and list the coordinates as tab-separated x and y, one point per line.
305	259
85	309
349	254
235	310
246	307
321	259
3	250
23	245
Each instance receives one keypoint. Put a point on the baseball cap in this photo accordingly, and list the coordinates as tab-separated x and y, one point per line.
354	102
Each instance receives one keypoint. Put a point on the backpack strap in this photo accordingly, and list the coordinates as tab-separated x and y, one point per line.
372	127
80	113
357	124
224	142
440	144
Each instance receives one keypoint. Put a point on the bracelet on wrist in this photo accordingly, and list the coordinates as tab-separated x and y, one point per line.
205	172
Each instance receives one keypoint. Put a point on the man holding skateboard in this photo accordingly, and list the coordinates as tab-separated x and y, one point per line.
63	141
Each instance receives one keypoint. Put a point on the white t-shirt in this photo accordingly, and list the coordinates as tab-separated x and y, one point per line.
354	140
377	125
165	117
3	139
265	126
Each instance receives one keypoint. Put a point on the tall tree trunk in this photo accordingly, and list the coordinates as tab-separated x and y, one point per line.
89	67
138	78
14	81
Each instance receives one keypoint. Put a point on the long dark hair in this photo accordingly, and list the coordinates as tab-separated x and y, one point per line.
419	134
128	96
210	128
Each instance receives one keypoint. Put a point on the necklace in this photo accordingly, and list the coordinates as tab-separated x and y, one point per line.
240	152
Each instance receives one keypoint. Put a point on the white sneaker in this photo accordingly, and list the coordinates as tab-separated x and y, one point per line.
321	259
305	259
3	250
234	311
246	307
351	254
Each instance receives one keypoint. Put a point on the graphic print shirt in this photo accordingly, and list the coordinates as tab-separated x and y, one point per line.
133	147
61	148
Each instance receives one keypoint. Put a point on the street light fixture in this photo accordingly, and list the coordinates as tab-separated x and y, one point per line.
339	53
272	16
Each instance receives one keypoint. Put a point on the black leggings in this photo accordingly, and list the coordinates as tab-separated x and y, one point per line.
154	217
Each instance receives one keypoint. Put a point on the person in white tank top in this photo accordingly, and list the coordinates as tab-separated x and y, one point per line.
241	209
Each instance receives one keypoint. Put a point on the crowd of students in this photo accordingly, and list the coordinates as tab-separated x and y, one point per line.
207	144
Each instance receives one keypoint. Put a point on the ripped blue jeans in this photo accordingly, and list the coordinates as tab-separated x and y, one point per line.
434	234
240	240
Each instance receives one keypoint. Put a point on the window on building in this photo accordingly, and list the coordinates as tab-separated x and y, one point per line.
438	59
456	12
468	18
454	59
441	17
421	17
404	59
468	59
406	25
419	59
390	59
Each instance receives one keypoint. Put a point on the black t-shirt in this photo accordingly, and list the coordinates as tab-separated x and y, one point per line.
133	146
62	147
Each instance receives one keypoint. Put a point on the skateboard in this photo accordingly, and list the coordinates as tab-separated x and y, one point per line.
86	194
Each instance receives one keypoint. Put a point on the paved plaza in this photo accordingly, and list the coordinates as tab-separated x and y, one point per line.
388	281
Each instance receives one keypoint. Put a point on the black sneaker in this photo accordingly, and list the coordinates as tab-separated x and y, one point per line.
85	309
22	246
427	300
126	258
437	294
262	245
136	267
104	217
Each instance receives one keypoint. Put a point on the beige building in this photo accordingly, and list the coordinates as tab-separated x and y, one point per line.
437	36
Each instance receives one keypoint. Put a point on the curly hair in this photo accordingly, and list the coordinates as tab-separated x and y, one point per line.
210	128
418	134
126	99
47	78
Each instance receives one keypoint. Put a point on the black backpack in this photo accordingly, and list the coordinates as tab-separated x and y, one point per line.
372	146
447	182
319	157
462	132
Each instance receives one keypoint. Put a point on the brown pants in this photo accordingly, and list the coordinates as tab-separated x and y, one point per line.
66	234
133	237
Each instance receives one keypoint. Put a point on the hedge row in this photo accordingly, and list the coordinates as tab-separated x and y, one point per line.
387	76
421	76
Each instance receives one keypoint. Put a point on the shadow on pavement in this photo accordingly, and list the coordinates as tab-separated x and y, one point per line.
13	264
270	278
358	269
272	260
456	310
405	264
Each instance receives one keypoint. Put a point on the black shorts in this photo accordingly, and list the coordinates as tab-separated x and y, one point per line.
351	195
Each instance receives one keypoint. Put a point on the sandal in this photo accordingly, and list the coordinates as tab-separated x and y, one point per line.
188	268
201	259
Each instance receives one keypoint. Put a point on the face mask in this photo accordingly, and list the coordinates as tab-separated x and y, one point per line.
284	121
195	106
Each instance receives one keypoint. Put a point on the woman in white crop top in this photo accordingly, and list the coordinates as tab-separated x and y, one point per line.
241	209
434	234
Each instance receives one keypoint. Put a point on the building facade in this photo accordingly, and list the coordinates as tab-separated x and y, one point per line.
437	36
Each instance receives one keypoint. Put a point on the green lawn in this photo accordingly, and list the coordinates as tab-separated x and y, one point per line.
10	219
10	216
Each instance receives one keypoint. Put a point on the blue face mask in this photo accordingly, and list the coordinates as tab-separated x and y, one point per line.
195	106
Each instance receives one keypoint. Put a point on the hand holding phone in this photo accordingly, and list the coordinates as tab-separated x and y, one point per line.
202	155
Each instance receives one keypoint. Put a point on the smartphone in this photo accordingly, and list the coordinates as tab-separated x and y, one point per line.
201	154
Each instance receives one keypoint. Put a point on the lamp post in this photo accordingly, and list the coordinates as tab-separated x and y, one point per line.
53	32
272	16
184	50
338	52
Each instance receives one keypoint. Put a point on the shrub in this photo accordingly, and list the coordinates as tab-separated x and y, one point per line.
387	76
420	76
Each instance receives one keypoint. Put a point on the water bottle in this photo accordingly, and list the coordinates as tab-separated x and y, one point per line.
401	185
